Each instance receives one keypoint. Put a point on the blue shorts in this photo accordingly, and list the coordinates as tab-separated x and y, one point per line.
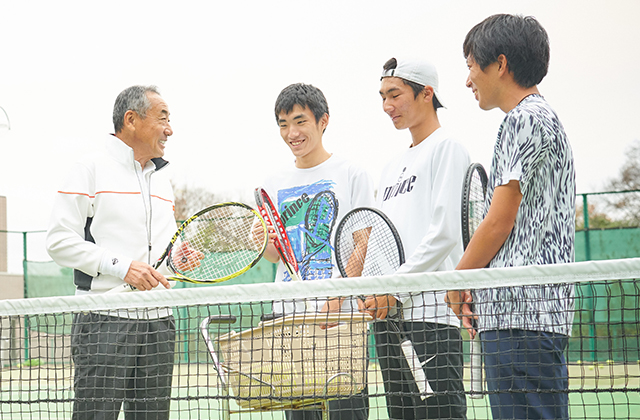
526	373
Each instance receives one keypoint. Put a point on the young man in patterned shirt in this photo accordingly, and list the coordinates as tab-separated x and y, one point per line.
529	220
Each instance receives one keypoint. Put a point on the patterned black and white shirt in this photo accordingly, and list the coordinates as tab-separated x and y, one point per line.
532	148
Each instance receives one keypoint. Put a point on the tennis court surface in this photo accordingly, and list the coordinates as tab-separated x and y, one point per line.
232	362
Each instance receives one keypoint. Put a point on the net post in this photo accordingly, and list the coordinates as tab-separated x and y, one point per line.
25	294
585	212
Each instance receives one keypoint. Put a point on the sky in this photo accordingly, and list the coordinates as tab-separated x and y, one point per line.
221	65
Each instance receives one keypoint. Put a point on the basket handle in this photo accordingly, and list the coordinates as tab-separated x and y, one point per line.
204	330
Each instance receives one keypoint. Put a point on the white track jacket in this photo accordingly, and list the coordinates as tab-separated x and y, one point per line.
108	213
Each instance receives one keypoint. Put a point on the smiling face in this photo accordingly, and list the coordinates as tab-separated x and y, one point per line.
483	83
303	134
399	102
152	131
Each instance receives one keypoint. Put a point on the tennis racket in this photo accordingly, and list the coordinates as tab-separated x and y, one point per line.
473	194
270	214
367	244
214	245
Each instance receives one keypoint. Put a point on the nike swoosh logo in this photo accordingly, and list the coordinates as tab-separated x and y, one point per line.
428	360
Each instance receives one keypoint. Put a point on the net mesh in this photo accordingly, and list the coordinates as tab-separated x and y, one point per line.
222	357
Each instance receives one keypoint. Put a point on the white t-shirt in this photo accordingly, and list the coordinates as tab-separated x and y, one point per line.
311	203
420	191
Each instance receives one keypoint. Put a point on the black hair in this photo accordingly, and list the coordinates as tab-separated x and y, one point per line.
307	96
417	88
522	40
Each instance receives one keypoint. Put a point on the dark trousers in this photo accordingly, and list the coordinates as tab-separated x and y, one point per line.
352	408
444	372
527	374
356	407
120	360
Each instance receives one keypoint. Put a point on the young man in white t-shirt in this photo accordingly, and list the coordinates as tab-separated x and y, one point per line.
311	197
420	191
529	220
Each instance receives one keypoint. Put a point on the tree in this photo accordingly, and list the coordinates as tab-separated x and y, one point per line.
627	205
190	200
598	219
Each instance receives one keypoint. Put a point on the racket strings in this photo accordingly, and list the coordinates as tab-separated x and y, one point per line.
476	202
284	245
217	244
367	246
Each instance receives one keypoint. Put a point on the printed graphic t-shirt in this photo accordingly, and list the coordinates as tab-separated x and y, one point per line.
311	202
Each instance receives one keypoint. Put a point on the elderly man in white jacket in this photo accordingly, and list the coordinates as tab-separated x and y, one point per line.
112	218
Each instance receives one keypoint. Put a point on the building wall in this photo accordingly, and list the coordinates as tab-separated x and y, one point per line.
3	235
11	286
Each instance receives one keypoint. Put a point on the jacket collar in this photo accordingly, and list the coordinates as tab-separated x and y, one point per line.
122	153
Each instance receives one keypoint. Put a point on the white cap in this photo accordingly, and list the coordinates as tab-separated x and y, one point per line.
418	71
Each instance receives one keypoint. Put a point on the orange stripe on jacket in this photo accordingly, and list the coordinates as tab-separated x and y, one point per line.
113	192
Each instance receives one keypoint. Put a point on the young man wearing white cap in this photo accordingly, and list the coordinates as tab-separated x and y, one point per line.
420	191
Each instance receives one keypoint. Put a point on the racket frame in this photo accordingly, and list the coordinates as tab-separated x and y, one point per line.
415	371
339	237
183	278
270	214
467	232
475	346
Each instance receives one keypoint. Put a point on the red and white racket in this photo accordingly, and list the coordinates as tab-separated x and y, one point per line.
269	213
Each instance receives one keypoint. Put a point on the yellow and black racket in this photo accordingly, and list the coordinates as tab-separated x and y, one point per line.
214	245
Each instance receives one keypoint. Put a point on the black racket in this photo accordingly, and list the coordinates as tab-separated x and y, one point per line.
367	244
214	245
473	194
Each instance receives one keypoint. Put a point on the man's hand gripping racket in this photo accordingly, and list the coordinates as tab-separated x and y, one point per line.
367	244
214	245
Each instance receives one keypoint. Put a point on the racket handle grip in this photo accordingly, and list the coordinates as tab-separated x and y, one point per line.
122	288
476	367
416	369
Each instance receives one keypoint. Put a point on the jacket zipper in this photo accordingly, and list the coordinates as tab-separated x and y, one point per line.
147	210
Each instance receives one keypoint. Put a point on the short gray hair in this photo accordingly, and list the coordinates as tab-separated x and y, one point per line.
135	99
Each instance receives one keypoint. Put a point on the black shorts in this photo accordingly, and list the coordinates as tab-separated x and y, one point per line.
444	372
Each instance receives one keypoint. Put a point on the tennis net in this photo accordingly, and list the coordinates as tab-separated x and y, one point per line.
234	356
